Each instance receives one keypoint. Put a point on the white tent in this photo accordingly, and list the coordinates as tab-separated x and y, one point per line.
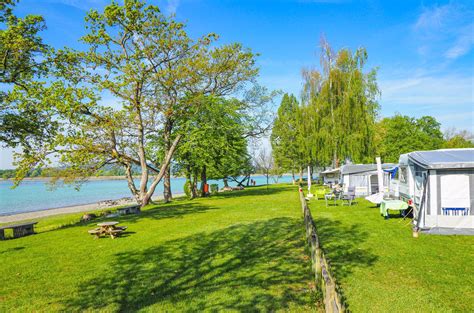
364	178
440	186
331	176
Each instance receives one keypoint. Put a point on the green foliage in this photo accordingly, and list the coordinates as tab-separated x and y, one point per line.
340	107
187	188
213	139
214	189
25	59
402	134
285	134
458	139
156	72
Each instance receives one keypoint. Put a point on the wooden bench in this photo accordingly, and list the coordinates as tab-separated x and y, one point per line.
19	230
133	209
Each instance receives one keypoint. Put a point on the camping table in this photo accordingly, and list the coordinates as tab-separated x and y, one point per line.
394	205
107	226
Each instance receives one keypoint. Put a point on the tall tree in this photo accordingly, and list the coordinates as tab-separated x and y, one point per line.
284	135
213	144
156	71
341	106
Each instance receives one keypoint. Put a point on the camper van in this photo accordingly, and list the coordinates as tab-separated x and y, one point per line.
439	185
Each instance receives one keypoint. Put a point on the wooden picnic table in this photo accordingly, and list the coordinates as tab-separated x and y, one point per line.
107	228
19	230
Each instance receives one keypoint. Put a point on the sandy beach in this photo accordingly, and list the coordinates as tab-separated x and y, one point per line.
65	210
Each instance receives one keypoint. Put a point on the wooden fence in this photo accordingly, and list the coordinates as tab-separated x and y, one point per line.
322	274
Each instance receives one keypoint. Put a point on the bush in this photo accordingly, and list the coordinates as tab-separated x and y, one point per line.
214	189
187	188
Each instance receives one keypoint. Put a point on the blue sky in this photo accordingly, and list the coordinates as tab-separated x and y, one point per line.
424	49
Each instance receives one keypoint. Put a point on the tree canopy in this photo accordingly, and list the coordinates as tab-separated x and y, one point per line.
156	73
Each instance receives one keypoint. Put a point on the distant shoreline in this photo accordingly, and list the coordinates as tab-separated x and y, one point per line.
98	178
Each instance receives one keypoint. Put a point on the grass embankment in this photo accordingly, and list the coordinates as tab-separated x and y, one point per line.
382	268
240	251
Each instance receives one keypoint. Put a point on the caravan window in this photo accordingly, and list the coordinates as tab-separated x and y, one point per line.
403	173
418	171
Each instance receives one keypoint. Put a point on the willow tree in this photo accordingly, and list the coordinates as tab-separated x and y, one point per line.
154	71
341	106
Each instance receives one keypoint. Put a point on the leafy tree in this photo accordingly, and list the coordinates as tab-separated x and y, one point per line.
458	139
25	59
284	135
156	72
213	143
341	107
402	134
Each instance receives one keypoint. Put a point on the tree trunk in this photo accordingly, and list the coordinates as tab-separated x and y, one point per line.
301	175
293	180
267	175
131	183
226	182
194	192
203	181
164	165
167	196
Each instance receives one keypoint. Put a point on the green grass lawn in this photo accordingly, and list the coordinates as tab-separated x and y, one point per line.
242	251
382	268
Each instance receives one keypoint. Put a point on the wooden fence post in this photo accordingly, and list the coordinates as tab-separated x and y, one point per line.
322	275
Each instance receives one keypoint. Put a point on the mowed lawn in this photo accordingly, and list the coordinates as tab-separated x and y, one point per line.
382	268
242	251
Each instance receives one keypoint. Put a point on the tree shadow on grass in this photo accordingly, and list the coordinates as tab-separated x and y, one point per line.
246	267
341	245
255	191
175	210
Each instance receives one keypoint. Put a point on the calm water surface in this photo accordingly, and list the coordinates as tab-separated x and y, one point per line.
38	195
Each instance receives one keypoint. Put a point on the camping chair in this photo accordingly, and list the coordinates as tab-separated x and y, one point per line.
348	197
334	195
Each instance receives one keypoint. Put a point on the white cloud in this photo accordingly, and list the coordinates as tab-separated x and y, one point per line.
172	6
449	98
445	91
433	17
463	44
445	31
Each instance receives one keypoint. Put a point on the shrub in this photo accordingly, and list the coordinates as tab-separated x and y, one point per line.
214	189
187	188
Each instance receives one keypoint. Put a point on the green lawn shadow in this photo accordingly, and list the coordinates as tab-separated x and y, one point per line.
245	267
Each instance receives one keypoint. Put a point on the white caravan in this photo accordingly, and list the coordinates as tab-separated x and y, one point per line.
439	185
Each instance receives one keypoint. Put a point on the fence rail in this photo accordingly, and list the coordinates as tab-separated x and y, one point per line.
322	274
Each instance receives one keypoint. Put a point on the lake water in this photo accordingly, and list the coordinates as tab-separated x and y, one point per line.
37	195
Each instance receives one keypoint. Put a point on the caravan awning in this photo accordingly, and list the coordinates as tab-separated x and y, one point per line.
444	158
363	168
